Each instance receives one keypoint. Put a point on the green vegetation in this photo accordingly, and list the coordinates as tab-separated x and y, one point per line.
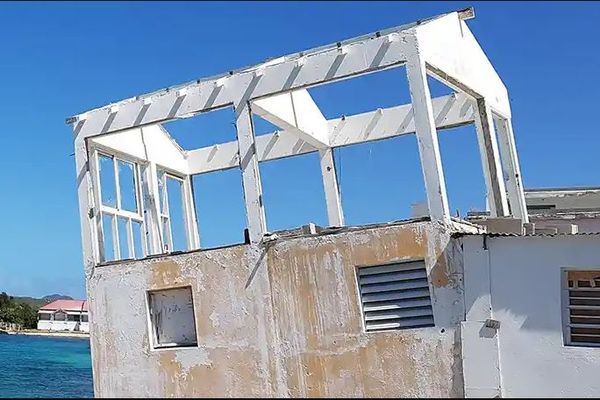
14	311
23	310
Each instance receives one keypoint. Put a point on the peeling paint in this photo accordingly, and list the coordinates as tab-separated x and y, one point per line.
284	320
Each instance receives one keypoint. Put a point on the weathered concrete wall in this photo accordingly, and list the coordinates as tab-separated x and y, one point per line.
284	321
525	296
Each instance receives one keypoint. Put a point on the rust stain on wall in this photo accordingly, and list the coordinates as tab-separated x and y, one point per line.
165	273
288	322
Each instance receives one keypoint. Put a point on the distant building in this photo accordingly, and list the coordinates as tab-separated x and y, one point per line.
64	315
567	210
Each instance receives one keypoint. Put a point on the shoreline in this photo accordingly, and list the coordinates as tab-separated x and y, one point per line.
51	333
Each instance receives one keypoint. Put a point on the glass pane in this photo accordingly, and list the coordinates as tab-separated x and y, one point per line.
137	239
108	186
109	250
127	185
123	238
176	213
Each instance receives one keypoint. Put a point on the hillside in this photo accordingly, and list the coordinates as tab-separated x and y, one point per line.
36	303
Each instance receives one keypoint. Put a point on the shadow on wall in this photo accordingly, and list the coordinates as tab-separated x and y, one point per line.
525	278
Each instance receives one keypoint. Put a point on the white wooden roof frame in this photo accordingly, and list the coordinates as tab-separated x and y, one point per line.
442	47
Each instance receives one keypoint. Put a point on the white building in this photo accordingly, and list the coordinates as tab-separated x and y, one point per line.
505	304
64	315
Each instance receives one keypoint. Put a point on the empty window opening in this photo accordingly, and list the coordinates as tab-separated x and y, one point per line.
172	319
382	89
220	210
263	127
395	296
437	88
205	129
174	225
380	181
293	192
582	308
463	171
120	208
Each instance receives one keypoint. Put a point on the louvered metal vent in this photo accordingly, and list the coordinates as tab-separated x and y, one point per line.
395	296
584	307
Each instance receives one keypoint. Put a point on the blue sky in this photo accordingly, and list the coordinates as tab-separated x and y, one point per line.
59	59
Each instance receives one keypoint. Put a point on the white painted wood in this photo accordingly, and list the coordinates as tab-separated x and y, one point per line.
365	54
490	160
512	170
255	213
145	144
152	205
427	139
446	43
452	53
335	214
449	111
87	209
296	112
192	231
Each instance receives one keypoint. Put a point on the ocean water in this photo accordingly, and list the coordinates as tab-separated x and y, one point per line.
38	366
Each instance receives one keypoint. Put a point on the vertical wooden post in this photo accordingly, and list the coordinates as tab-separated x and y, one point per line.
427	139
152	209
87	210
490	160
255	213
335	214
510	161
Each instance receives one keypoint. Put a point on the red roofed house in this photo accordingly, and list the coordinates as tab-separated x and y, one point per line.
64	315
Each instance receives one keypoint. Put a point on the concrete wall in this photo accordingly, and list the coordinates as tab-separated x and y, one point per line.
524	291
285	321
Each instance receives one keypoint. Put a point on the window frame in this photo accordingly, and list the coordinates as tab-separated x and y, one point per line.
190	225
152	327
565	302
118	212
359	295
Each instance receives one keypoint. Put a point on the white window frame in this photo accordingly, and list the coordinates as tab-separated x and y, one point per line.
118	212
153	322
190	224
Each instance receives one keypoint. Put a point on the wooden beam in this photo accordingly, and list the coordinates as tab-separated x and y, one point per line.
427	139
490	160
335	214
512	171
295	112
255	213
449	111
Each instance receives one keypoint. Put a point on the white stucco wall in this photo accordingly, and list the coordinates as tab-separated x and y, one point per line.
48	325
525	282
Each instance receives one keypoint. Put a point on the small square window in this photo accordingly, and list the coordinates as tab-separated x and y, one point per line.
582	308
395	296
172	320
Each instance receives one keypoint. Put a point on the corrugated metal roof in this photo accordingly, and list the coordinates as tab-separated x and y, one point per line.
532	235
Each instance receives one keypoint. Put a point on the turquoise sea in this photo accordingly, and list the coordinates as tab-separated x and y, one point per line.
38	366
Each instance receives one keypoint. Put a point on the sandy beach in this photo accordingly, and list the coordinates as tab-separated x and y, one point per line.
35	332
